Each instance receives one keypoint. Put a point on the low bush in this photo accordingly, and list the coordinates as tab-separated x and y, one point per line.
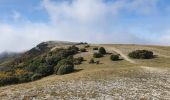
102	50
98	62
95	48
87	46
83	50
76	49
36	77
91	61
64	66
45	70
78	60
8	80
65	69
114	57
97	55
53	60
25	77
141	54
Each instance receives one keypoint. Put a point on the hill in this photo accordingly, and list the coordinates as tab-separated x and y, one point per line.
126	78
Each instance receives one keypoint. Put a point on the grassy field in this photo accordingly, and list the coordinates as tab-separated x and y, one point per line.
123	79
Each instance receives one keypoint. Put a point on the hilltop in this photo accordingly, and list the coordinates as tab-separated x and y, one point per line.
126	78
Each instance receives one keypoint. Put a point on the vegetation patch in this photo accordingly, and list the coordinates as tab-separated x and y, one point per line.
91	61
102	50
95	48
141	54
78	61
83	50
65	66
114	57
59	61
97	55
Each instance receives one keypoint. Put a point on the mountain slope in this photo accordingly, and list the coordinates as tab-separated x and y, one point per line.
144	79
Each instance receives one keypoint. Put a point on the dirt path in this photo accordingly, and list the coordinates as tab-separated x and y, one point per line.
121	53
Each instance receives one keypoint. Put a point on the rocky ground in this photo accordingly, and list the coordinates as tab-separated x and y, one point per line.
147	85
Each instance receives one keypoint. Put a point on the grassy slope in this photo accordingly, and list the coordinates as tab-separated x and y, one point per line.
107	70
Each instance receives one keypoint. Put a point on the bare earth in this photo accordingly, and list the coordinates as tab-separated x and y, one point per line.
127	79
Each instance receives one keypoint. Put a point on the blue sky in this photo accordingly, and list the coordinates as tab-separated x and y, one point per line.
24	23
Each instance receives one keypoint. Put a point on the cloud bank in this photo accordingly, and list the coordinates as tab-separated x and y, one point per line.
77	20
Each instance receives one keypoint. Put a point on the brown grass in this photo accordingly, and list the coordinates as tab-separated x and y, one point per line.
106	70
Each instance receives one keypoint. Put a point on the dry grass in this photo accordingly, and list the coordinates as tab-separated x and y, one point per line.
107	80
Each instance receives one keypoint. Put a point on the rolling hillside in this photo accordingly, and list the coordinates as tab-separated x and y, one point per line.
142	79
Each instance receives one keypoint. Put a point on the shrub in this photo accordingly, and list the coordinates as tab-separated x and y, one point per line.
25	77
91	61
114	57
8	80
97	55
141	54
45	70
78	60
63	67
73	48
36	77
102	50
95	48
97	62
81	43
87	46
53	60
83	50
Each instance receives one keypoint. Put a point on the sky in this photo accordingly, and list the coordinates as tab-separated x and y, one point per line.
25	23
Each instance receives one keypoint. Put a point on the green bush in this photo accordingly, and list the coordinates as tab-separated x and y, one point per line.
87	46
96	48
83	50
97	55
78	60
74	48
53	60
8	80
25	77
141	54
65	69
102	50
114	57
31	68
36	77
64	66
91	61
45	70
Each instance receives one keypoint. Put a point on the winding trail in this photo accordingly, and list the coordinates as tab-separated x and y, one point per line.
125	57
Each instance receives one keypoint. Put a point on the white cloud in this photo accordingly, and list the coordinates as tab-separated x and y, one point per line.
81	20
